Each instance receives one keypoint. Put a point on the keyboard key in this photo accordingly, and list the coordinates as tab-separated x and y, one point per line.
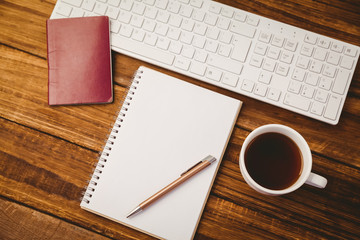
325	83
124	17
320	54
317	108
329	71
247	85
198	68
269	65
100	8
332	107
307	50
265	37
151	39
307	91
324	43
88	5
273	53
291	45
286	57
174	7
227	12
294	87
126	5
200	28
260	90
321	96
138	35
337	47
265	77
297	101
215	8
347	62
199	42
64	10
315	66
182	63
175	47
200	56
151	12
213	74
163	43
210	19
282	69
224	50
211	46
196	3
163	16
114	3
240	16
312	79
188	52
274	94
75	3
341	80
139	9
126	30
77	12
310	38
260	48
256	61
350	51
188	25
241	48
278	41
114	26
333	58
252	20
298	74
223	23
150	26
162	4
137	21
112	13
230	79
303	62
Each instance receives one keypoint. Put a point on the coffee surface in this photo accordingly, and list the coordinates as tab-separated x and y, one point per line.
273	160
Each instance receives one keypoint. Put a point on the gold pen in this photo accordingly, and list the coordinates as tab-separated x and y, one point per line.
183	177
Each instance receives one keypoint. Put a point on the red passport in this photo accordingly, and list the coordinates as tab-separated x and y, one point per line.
79	61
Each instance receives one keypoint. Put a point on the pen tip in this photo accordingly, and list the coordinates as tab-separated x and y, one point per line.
135	211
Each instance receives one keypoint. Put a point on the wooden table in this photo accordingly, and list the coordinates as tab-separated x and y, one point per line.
47	152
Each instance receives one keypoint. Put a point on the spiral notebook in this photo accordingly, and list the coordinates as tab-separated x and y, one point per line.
164	126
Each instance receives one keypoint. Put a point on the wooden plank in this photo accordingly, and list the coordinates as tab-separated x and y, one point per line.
51	181
48	174
20	222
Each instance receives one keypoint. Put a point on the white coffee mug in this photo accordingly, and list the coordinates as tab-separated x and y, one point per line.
306	176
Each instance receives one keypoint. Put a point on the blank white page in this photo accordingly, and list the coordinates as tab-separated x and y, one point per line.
169	126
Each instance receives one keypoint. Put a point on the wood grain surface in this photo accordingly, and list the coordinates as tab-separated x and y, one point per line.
47	153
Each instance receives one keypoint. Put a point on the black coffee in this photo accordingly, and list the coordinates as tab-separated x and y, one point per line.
273	160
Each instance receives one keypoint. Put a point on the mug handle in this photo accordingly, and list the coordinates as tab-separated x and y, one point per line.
316	180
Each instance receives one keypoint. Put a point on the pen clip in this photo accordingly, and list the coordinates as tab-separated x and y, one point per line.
191	168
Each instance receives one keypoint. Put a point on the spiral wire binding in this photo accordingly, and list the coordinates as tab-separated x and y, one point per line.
104	155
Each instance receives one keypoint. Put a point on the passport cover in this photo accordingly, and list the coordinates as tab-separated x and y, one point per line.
79	61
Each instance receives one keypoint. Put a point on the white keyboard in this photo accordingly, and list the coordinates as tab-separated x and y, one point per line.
264	59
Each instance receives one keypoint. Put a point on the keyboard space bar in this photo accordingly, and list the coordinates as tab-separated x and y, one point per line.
142	49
